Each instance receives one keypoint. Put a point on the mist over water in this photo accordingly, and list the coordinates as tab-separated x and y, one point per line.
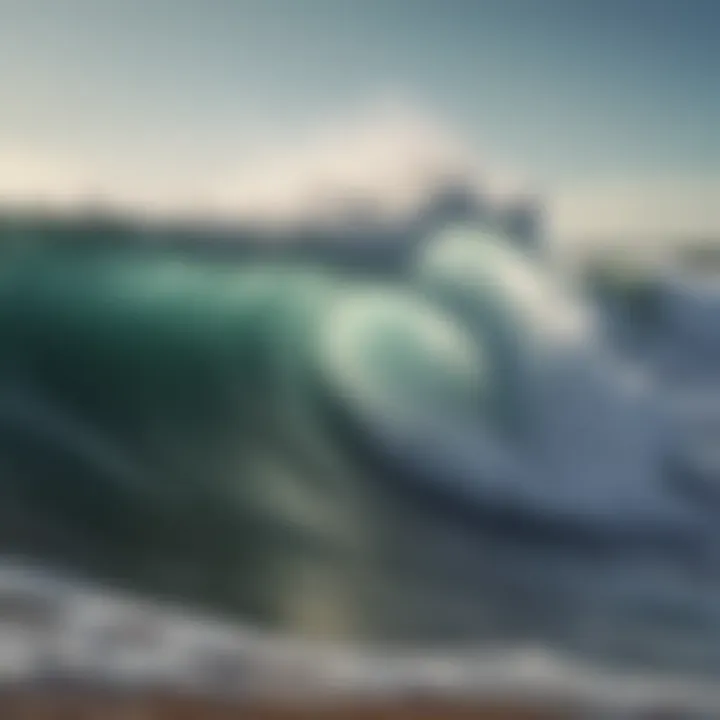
451	455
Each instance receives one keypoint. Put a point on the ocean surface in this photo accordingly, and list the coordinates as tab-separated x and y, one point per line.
459	455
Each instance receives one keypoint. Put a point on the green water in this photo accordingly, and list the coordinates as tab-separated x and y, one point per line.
205	430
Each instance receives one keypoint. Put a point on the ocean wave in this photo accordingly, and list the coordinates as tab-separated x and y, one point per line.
452	453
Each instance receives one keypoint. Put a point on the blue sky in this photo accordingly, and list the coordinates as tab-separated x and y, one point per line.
595	100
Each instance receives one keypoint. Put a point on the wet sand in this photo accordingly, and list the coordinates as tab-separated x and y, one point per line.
64	706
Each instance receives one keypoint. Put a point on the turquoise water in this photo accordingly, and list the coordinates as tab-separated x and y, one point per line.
449	455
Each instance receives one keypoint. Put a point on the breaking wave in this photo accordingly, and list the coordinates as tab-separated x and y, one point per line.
451	455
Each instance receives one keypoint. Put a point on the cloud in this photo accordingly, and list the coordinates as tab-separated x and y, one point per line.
29	175
659	209
386	156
